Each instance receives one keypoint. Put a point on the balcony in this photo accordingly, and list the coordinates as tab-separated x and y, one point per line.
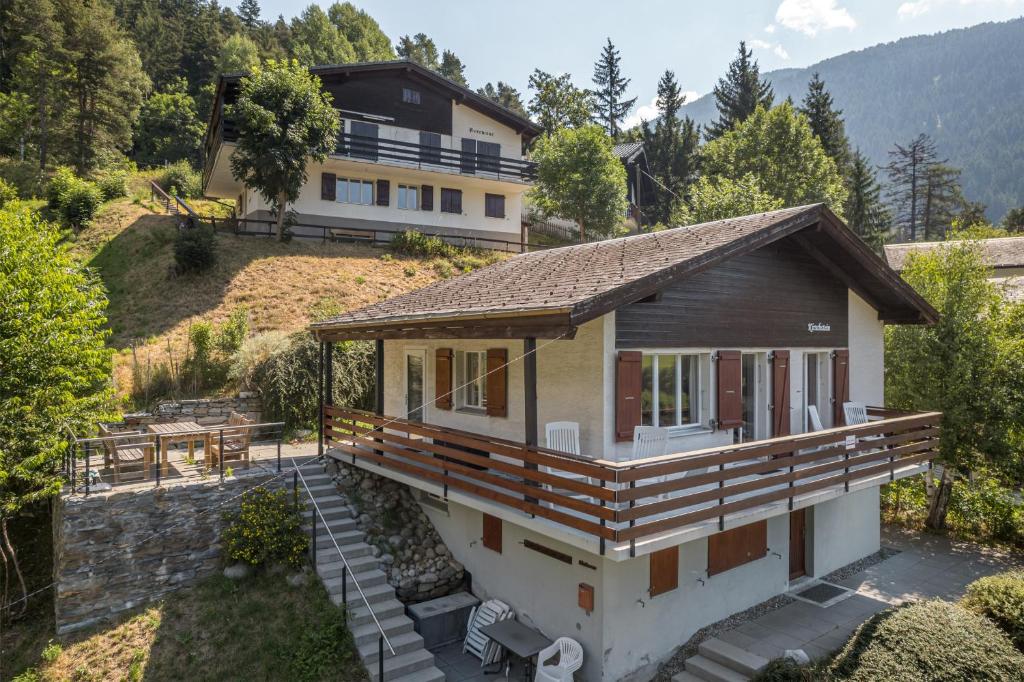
626	502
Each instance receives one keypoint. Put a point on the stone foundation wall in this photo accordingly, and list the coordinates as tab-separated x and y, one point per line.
205	411
100	567
418	564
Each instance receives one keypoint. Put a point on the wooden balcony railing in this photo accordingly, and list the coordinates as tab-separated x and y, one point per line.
626	501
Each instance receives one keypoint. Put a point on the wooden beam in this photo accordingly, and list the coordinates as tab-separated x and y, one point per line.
530	398
379	378
817	254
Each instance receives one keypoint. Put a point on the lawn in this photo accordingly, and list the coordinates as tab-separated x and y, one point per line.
257	629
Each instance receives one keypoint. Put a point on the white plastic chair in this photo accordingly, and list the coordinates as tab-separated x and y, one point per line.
814	419
570	659
479	644
564	437
649	441
857	413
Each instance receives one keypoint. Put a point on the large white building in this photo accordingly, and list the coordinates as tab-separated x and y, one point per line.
416	151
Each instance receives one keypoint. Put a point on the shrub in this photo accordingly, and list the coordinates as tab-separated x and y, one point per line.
266	529
195	250
413	243
233	332
62	180
984	508
253	352
79	203
180	177
8	193
929	640
26	176
1000	598
112	184
784	670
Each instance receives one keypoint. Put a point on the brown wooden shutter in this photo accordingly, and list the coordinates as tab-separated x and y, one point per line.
628	380
729	387
427	200
443	379
664	570
780	393
840	384
492	533
737	546
383	192
497	382
328	186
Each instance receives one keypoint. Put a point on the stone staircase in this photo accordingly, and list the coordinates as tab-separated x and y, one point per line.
411	662
719	661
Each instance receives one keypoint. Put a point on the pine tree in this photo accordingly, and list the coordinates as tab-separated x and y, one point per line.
942	199
671	149
419	49
452	68
611	86
908	168
826	121
739	93
249	14
864	210
505	95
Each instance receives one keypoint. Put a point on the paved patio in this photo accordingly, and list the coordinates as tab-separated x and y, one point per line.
926	567
460	667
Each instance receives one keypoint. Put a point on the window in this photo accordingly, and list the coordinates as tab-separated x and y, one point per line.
670	390
471	379
410	96
354	191
408	197
494	205
430	147
451	200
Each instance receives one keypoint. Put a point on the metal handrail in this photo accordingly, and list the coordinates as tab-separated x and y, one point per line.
175	198
346	571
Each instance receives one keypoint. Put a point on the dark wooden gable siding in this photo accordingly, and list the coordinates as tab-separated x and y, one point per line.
381	94
763	299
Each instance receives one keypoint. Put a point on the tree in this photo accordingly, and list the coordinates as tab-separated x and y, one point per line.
419	49
739	93
581	179
942	198
284	119
239	54
1013	221
362	31
908	167
54	363
719	198
955	366
777	147
452	68
610	108
864	210
671	149
557	103
249	14
169	129
826	122
505	95
315	40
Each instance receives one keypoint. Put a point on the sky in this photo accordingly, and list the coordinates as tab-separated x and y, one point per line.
696	39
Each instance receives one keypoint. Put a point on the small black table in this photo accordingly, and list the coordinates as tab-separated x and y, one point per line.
521	640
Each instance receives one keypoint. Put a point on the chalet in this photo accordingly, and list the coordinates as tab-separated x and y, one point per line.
416	151
1005	255
639	186
620	439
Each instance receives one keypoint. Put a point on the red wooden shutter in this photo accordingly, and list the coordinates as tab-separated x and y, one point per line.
328	186
737	546
780	393
492	533
730	382
383	192
497	382
443	379
840	384
628	380
427	200
664	570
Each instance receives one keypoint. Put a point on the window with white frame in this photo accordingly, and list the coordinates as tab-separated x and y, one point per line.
670	394
354	192
471	379
408	197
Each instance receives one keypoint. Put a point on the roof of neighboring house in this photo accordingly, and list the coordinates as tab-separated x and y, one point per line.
628	151
550	293
998	252
1013	287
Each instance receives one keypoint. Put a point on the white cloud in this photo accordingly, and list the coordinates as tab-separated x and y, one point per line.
777	49
770	28
910	10
649	112
811	16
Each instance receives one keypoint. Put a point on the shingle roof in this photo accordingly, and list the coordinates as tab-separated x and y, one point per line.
627	150
582	280
999	252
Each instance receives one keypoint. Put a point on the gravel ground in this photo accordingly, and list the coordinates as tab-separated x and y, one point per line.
858	566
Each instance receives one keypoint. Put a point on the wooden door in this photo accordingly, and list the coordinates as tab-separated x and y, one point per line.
797	543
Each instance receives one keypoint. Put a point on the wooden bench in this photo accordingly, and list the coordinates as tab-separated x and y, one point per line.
343	234
236	442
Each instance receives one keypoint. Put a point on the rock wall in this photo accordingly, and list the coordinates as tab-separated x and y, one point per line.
103	566
418	564
205	411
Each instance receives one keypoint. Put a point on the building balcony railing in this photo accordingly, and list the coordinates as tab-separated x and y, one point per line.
622	502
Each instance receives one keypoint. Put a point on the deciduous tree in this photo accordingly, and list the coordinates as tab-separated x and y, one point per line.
717	198
169	129
557	103
739	93
315	40
362	31
239	54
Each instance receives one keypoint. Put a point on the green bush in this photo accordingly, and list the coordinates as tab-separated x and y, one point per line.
79	204
253	352
266	529
113	184
1000	598
785	670
8	193
26	176
195	249
62	180
985	508
180	177
413	243
929	640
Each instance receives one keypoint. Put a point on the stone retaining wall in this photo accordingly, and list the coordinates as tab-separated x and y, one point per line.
100	567
205	411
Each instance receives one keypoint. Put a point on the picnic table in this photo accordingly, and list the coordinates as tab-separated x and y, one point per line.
180	432
523	641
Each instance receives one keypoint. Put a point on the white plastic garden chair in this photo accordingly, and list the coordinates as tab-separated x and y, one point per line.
857	413
649	441
479	644
570	659
564	437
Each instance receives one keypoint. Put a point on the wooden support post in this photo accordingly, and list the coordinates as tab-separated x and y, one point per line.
329	373
379	404
320	401
530	396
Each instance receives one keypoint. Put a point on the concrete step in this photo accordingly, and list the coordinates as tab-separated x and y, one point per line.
706	669
352	550
358	564
393	626
375	594
431	674
402	643
403	664
732	657
319	490
330	575
330	515
359	615
686	677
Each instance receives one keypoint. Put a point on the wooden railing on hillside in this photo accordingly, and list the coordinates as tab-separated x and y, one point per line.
627	501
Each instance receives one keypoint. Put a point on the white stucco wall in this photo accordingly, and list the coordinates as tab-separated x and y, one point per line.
843	530
867	353
469	123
